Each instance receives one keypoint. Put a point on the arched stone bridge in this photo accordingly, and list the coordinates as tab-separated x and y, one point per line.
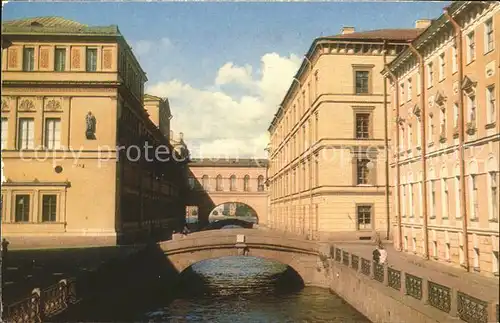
301	255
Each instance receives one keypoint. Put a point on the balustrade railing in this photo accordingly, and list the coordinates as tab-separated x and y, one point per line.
42	304
354	262
440	296
394	278
378	272
467	307
345	258
471	309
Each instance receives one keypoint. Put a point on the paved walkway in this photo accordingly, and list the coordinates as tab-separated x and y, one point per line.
484	288
29	269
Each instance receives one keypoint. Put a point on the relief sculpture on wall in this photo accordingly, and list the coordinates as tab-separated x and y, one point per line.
90	126
26	105
53	105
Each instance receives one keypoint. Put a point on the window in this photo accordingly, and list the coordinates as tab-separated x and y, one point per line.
490	102
410	92
52	133
410	136
218	183
406	243
458	211
204	182
26	136
362	125
232	183
414	246
471	117
430	75
442	119
442	65
471	46
60	60
260	182
433	198
445	199
403	201
363	171
488	36
493	195
49	208
447	251
402	92
418	83
473	196
28	59
434	249
5	132
362	79
454	59
364	217
421	196
246	183
91	60
412	199
419	133
455	115
495	262
22	208
431	129
316	173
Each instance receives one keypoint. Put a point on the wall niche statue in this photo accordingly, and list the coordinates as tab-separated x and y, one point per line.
90	126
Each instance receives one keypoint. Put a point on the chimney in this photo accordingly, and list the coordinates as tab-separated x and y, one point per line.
347	30
181	136
422	23
171	134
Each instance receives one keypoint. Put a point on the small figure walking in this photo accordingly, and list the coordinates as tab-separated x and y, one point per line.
5	250
185	231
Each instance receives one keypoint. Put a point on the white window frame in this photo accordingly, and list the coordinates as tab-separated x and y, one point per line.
454	58
493	188
491	104
26	136
5	133
430	74
471	47
489	32
52	136
442	67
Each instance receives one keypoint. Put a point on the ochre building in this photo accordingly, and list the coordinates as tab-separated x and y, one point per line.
446	148
72	106
328	174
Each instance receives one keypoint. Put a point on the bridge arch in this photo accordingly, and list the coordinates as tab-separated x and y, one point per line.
219	224
302	256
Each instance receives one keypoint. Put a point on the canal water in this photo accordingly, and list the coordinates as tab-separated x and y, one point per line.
248	289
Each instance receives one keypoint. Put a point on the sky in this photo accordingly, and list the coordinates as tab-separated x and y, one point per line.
226	66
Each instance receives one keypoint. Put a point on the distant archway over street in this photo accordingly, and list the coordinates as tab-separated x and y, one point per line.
239	183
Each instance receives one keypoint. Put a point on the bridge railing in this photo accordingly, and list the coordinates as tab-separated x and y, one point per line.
42	304
448	299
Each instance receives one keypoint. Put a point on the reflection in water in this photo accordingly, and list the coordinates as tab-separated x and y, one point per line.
248	289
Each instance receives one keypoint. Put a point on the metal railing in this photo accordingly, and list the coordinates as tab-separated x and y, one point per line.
42	304
447	299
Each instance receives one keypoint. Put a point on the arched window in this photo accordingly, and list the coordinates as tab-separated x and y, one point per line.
260	182
218	183
246	183
204	182
232	183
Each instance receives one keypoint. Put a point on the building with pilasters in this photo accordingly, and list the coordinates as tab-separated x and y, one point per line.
72	108
328	174
446	148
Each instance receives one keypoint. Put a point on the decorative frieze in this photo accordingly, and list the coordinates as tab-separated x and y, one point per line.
12	57
75	58
26	105
44	58
5	105
53	105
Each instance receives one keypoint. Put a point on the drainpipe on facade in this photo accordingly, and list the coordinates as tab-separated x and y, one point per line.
398	173
386	146
461	152
424	148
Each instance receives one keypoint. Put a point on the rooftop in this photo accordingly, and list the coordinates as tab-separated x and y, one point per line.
55	25
380	34
228	162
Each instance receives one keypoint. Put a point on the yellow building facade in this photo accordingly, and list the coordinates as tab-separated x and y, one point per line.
446	148
328	174
72	107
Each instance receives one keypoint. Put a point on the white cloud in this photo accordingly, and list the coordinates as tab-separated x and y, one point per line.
144	46
218	123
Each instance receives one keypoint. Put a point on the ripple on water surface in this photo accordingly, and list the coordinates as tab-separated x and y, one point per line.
247	289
